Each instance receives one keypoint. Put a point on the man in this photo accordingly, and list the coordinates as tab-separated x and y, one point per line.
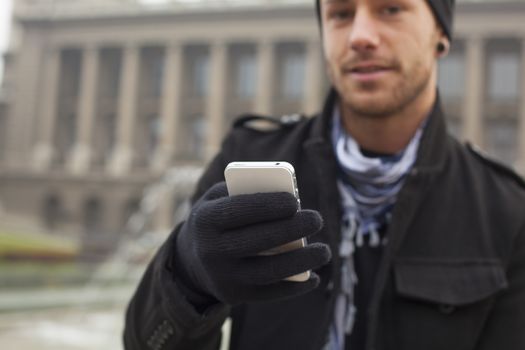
415	241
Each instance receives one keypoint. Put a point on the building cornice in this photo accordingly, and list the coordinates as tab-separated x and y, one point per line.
67	12
488	7
47	12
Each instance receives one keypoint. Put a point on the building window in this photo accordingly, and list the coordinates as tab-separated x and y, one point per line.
503	69
3	134
158	76
245	75
501	109
501	139
197	59
131	207
66	124
504	76
451	82
71	63
292	75
109	130
147	136
70	131
66	135
200	75
192	137
181	208
104	139
153	71
52	212
452	76
454	126
93	215
110	71
154	131
198	137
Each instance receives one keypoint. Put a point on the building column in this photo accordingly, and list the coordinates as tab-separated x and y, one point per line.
265	77
313	99
123	153
164	213
81	154
215	106
44	149
473	108
170	108
521	133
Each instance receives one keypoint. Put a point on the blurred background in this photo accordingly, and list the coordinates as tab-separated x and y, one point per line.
110	108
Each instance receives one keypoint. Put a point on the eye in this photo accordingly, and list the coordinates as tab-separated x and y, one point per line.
340	15
340	12
391	10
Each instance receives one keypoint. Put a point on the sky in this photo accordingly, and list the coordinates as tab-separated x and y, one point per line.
5	15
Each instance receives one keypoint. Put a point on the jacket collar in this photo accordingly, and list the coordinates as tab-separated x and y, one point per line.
432	149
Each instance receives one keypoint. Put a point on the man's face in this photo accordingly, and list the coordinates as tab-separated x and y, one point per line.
381	54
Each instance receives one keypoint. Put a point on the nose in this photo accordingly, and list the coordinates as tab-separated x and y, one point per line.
363	34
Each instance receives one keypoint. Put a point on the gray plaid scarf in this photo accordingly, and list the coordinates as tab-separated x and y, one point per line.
368	189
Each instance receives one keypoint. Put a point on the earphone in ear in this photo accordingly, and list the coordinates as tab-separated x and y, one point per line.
442	47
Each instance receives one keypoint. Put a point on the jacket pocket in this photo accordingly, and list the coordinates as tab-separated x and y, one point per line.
452	283
441	304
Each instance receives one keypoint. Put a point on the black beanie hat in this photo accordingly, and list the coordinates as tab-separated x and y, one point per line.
443	10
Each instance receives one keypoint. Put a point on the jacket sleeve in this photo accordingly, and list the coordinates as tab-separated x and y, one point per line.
159	316
504	328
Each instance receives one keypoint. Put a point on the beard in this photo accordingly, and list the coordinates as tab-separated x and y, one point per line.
378	99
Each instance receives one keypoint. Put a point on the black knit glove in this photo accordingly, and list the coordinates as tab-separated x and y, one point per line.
217	249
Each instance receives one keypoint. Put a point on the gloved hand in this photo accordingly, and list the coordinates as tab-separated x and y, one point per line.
217	248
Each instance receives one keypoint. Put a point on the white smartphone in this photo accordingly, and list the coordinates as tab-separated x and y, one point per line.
261	177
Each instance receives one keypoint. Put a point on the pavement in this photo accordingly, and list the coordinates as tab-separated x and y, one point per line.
81	318
12	300
63	329
67	319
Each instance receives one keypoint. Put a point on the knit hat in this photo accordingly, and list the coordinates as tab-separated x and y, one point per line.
443	10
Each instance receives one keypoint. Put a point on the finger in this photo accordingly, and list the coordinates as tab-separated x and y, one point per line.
254	239
281	290
219	190
237	211
265	270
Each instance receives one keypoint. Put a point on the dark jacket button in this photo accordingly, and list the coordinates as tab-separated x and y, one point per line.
446	309
329	289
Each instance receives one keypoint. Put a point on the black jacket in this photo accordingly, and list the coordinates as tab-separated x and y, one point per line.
452	275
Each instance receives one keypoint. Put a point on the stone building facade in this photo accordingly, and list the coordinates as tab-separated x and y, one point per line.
101	97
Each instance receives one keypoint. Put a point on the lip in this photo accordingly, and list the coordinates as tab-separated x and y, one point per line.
368	72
